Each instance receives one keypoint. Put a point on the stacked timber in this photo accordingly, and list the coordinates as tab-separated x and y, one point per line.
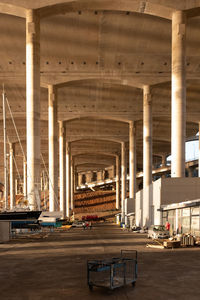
94	201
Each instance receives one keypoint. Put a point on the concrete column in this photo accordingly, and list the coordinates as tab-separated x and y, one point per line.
12	176
123	178
72	182
163	164
163	160
199	152
89	177
75	179
79	179
62	162
41	182
132	160
147	153
25	177
53	149
33	107
176	220
68	175
45	188
178	119
16	186
46	185
117	182
147	137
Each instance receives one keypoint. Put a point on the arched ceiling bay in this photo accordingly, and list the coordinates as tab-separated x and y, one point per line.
100	59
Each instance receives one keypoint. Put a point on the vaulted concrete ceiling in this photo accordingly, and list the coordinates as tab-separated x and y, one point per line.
99	54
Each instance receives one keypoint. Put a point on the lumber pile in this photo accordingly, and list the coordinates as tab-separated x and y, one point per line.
94	201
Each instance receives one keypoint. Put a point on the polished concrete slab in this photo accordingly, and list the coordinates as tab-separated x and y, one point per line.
54	267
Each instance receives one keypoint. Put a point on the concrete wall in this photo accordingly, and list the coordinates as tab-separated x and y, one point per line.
165	191
153	193
4	231
128	207
175	190
157	198
139	208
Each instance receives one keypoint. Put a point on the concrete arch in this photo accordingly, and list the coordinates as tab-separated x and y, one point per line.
136	6
97	117
99	140
93	157
96	153
93	165
104	79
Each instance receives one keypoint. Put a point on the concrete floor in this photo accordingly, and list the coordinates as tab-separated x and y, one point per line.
54	267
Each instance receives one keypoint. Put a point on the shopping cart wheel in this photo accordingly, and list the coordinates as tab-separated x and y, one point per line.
91	287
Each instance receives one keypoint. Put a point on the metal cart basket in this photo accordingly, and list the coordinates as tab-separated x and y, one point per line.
114	272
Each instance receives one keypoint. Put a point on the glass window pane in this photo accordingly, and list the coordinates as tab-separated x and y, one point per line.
195	210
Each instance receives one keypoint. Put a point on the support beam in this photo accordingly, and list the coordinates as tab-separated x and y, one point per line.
117	182
5	153
72	182
33	107
53	149
62	162
68	175
199	152
12	176
123	178
147	153
75	178
132	160
178	119
147	136
25	177
16	186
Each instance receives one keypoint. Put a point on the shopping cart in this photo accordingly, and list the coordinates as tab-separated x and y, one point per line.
114	272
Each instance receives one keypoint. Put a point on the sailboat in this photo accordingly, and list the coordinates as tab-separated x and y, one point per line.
20	217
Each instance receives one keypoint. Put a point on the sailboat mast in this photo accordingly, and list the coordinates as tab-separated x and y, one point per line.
5	151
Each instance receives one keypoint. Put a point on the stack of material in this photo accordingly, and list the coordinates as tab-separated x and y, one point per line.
171	244
187	240
94	201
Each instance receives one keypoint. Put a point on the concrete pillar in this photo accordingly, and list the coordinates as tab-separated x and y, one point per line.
62	162
147	137
178	119
33	107
199	152
117	182
16	186
53	149
75	179
99	176
68	175
132	160
163	160
176	221
72	182
25	177
45	183
89	177
147	153
12	176
80	179
41	182
123	178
